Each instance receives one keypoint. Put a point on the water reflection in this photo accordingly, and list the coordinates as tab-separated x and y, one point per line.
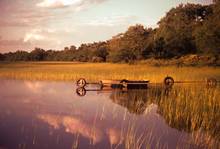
37	114
135	100
73	125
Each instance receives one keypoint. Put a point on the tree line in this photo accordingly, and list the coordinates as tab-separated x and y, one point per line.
186	29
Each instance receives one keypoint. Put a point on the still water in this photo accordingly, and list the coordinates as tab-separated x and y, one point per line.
41	114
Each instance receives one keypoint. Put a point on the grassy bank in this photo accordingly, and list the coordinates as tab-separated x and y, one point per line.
96	71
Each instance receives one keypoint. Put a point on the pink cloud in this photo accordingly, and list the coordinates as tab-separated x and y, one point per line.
77	4
13	45
74	126
22	14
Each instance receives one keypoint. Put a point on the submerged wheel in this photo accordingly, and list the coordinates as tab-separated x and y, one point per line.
169	81
81	91
211	82
81	82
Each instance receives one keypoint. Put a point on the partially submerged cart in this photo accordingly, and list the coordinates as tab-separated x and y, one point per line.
107	85
129	84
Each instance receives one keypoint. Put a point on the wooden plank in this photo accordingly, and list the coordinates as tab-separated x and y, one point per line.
126	82
110	81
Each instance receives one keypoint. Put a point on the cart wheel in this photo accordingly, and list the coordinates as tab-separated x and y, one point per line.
81	91
101	85
211	82
124	82
81	82
169	81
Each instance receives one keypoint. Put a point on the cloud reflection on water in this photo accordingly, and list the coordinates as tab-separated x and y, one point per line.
76	126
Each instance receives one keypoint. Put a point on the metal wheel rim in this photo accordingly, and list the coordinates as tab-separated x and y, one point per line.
81	82
81	91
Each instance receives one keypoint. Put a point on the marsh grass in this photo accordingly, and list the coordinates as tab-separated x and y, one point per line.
192	109
66	71
196	110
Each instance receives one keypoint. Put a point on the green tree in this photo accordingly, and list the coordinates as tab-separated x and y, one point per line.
16	56
177	26
135	42
159	48
2	57
37	54
123	55
21	56
73	48
216	1
102	53
207	36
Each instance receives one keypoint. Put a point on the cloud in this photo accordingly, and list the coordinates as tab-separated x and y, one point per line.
39	37
13	45
73	125
10	42
58	3
46	38
113	20
77	4
33	36
26	17
13	23
35	87
38	34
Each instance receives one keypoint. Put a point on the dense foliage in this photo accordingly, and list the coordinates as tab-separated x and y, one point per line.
186	29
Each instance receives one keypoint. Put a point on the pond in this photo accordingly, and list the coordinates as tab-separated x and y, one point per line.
44	114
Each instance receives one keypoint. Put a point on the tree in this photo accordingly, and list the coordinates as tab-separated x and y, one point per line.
216	1
102	53
37	54
159	48
137	41
16	56
207	36
124	55
2	57
177	26
66	48
72	48
21	56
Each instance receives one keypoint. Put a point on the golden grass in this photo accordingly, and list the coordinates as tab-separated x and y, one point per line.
97	71
187	108
195	110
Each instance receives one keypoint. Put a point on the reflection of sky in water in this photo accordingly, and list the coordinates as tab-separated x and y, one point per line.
36	114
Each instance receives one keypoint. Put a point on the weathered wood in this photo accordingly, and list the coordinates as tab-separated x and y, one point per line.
129	84
110	81
124	82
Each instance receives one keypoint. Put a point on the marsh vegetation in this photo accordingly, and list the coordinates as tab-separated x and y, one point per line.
70	71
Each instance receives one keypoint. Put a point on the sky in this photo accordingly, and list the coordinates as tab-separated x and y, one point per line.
54	24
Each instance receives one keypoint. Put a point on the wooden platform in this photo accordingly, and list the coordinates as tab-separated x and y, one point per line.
129	84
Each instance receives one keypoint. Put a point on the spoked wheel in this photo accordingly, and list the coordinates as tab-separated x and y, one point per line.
124	82
168	81
101	85
211	82
81	82
81	91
